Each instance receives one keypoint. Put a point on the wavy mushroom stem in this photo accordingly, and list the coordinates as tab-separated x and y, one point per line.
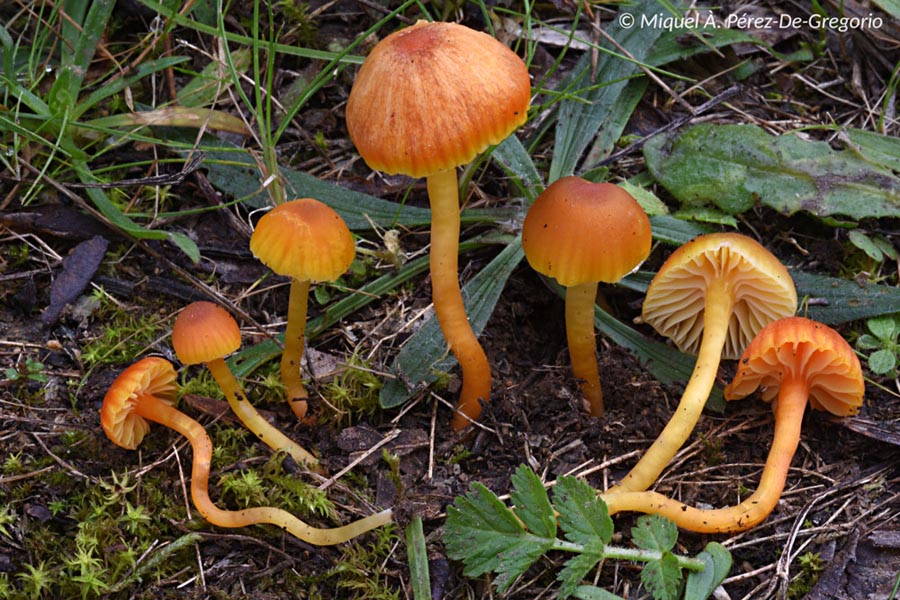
717	312
791	403
293	348
250	417
443	193
155	410
583	344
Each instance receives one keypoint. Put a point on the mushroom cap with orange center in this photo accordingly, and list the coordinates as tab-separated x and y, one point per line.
582	232
801	349
151	376
203	332
304	239
433	96
761	288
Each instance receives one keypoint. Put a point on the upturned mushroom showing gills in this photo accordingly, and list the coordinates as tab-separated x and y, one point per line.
146	391
426	100
581	233
798	359
205	333
305	240
711	297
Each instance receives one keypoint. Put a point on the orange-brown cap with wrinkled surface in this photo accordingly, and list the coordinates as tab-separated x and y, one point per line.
204	332
581	232
152	376
304	239
760	285
432	96
800	348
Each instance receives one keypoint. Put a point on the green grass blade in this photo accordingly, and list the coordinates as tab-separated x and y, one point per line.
417	557
593	109
425	355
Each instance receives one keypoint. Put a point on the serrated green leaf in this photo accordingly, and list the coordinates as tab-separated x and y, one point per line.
882	362
653	532
736	167
662	577
532	506
701	584
487	537
576	569
583	516
591	592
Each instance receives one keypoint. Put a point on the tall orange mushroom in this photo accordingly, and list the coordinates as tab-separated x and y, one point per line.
711	296
305	240
146	391
798	359
426	100
581	233
206	333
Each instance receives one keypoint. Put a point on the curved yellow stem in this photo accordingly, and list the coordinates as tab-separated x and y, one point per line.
791	403
443	195
717	312
250	417
583	344
155	410
293	348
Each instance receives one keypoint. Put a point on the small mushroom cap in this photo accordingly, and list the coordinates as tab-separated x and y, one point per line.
151	376
304	239
204	332
433	96
761	287
800	348
581	232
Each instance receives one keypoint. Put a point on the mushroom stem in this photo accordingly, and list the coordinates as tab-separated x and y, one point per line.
717	312
443	194
254	421
155	410
791	403
293	347
583	344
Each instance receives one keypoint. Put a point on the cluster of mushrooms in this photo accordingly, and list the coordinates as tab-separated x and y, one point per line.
718	296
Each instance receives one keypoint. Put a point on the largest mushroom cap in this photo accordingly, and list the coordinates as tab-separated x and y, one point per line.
582	232
150	376
433	96
304	239
204	332
760	285
796	348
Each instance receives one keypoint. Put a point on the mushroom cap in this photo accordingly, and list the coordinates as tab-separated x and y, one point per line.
304	239
151	376
761	287
796	347
203	332
433	96
581	232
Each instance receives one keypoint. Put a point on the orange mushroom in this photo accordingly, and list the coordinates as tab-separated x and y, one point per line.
305	240
798	359
711	296
581	233
146	391
206	333
426	100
